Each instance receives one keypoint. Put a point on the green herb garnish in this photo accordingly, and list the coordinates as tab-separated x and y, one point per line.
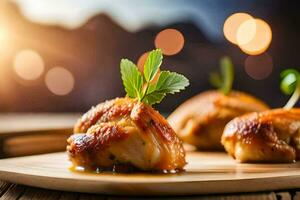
290	85
141	86
223	80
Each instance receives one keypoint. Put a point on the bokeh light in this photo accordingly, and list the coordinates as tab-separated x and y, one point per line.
170	41
141	61
5	41
246	32
254	44
28	64
253	36
59	81
259	67
3	36
232	25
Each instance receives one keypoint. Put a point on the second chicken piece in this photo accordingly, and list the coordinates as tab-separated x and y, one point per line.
200	120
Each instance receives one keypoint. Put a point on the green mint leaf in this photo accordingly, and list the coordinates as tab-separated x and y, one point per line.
140	86
154	97
132	79
152	64
168	82
223	80
171	82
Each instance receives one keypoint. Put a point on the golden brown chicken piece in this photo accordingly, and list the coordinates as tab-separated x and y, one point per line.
270	136
123	133
200	120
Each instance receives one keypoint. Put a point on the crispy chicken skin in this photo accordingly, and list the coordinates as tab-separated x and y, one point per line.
269	136
200	120
124	133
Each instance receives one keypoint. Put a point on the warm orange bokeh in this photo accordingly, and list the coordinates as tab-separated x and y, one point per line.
260	41
28	64
4	37
232	24
253	36
170	41
141	61
246	32
59	81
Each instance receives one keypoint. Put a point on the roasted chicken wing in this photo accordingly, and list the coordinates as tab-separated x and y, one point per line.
124	134
269	136
200	120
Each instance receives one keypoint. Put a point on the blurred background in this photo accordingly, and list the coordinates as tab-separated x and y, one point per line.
63	55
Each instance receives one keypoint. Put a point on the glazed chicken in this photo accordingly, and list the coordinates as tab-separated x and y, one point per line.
200	120
270	136
123	134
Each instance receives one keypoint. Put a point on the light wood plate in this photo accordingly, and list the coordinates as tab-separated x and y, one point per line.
206	173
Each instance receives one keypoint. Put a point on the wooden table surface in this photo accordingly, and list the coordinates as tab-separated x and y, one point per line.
13	191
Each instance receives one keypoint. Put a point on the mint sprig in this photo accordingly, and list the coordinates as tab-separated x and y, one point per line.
152	64
132	78
141	86
224	79
290	85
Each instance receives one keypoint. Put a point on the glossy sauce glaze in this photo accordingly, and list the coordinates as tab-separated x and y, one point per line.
199	163
123	170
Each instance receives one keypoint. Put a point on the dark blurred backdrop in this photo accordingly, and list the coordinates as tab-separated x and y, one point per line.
86	57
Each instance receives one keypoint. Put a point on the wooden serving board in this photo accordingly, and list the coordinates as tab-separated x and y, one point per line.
206	173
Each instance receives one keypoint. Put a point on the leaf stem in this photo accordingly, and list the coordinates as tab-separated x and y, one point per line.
145	92
294	98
